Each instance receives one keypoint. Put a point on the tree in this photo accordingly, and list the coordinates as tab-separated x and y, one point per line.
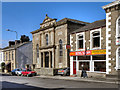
24	38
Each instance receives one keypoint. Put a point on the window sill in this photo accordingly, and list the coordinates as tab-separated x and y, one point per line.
96	48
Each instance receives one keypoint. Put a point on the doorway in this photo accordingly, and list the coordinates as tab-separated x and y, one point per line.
47	59
74	67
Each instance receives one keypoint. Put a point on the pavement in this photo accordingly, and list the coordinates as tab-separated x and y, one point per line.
100	80
58	77
22	82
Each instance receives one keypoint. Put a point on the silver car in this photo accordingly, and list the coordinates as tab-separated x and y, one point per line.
64	72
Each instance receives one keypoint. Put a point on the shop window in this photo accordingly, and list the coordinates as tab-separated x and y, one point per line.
80	42
83	57
96	39
46	39
84	66
99	57
100	66
60	48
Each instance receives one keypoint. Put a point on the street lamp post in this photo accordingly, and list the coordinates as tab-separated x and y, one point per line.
13	31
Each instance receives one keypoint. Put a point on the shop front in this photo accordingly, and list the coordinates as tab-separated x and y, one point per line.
93	61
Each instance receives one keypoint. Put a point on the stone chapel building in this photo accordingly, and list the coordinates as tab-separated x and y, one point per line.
50	43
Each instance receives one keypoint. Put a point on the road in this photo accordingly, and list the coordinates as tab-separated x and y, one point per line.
41	83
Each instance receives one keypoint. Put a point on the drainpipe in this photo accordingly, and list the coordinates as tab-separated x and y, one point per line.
54	43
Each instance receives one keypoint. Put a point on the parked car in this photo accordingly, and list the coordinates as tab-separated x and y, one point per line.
64	71
14	72
19	72
28	72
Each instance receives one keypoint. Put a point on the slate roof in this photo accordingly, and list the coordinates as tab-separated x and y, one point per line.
91	26
15	46
61	22
71	20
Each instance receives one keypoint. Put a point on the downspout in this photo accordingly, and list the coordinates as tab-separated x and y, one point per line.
54	43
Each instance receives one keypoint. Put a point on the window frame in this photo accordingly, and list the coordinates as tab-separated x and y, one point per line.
117	28
47	39
91	38
77	41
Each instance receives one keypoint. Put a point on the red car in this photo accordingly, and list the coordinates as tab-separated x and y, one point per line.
28	72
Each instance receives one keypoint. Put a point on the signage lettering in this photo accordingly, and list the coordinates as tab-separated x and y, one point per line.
89	52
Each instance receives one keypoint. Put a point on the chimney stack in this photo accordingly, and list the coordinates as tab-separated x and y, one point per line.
17	42
11	43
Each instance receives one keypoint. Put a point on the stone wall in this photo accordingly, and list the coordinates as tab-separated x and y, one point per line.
114	14
87	39
61	34
45	71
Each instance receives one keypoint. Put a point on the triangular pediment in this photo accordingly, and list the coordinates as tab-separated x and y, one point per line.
47	19
47	22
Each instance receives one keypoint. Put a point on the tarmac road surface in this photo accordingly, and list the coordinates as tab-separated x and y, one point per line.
16	82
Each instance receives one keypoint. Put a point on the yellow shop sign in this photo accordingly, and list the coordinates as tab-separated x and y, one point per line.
97	52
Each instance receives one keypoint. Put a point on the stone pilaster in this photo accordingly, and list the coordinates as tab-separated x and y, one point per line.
43	59
49	60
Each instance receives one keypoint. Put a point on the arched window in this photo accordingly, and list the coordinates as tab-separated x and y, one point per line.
46	39
60	48
118	27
